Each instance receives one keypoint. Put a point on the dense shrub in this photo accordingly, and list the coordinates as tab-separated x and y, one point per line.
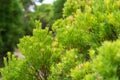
74	53
39	48
104	66
61	70
87	26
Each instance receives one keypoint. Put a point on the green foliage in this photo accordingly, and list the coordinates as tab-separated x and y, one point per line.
28	3
104	66
28	24
10	24
43	13
58	6
28	15
13	70
61	70
38	48
85	27
70	7
70	39
74	53
39	51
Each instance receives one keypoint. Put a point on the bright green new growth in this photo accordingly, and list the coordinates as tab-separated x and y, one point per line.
14	68
38	49
104	66
61	70
88	25
73	53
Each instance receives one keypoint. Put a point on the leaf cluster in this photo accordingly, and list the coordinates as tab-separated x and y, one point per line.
85	44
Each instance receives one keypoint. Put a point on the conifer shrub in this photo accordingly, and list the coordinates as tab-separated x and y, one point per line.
104	66
61	70
38	49
86	45
88	23
15	69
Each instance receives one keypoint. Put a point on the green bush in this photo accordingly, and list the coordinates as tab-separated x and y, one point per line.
84	27
61	70
38	48
13	70
74	53
104	66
